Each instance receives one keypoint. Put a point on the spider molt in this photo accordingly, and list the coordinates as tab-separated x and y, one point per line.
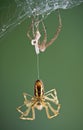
35	38
39	101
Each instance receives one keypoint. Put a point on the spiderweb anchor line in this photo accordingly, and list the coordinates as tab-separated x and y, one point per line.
35	41
38	73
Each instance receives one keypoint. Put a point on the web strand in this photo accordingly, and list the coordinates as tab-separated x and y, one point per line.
38	75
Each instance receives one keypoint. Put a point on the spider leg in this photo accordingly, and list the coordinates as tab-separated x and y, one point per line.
29	106
28	33
25	95
26	101
57	32
23	116
45	34
18	109
31	27
53	98
42	46
52	90
52	93
48	106
33	30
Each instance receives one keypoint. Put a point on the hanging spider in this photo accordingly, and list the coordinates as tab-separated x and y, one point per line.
39	101
36	36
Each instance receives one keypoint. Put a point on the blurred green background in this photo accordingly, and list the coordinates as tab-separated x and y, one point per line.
61	67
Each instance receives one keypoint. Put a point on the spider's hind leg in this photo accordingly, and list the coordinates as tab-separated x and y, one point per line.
23	116
52	99
48	106
19	109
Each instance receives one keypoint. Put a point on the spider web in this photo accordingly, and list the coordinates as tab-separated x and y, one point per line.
13	12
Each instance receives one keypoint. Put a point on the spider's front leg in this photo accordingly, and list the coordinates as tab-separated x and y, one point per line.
25	96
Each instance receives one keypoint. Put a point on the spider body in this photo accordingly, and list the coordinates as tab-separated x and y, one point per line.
39	101
38	89
39	94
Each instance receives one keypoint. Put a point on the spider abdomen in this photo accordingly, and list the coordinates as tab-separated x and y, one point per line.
38	88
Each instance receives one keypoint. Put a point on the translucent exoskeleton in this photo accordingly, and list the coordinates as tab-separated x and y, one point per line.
39	101
35	39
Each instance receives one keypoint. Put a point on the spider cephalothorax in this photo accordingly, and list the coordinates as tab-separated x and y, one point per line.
39	101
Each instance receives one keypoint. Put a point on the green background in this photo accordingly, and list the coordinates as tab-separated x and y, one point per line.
61	67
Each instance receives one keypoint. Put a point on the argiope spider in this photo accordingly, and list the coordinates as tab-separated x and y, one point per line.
36	36
39	101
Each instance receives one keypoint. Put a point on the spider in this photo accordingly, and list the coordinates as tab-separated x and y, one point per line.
36	36
39	101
